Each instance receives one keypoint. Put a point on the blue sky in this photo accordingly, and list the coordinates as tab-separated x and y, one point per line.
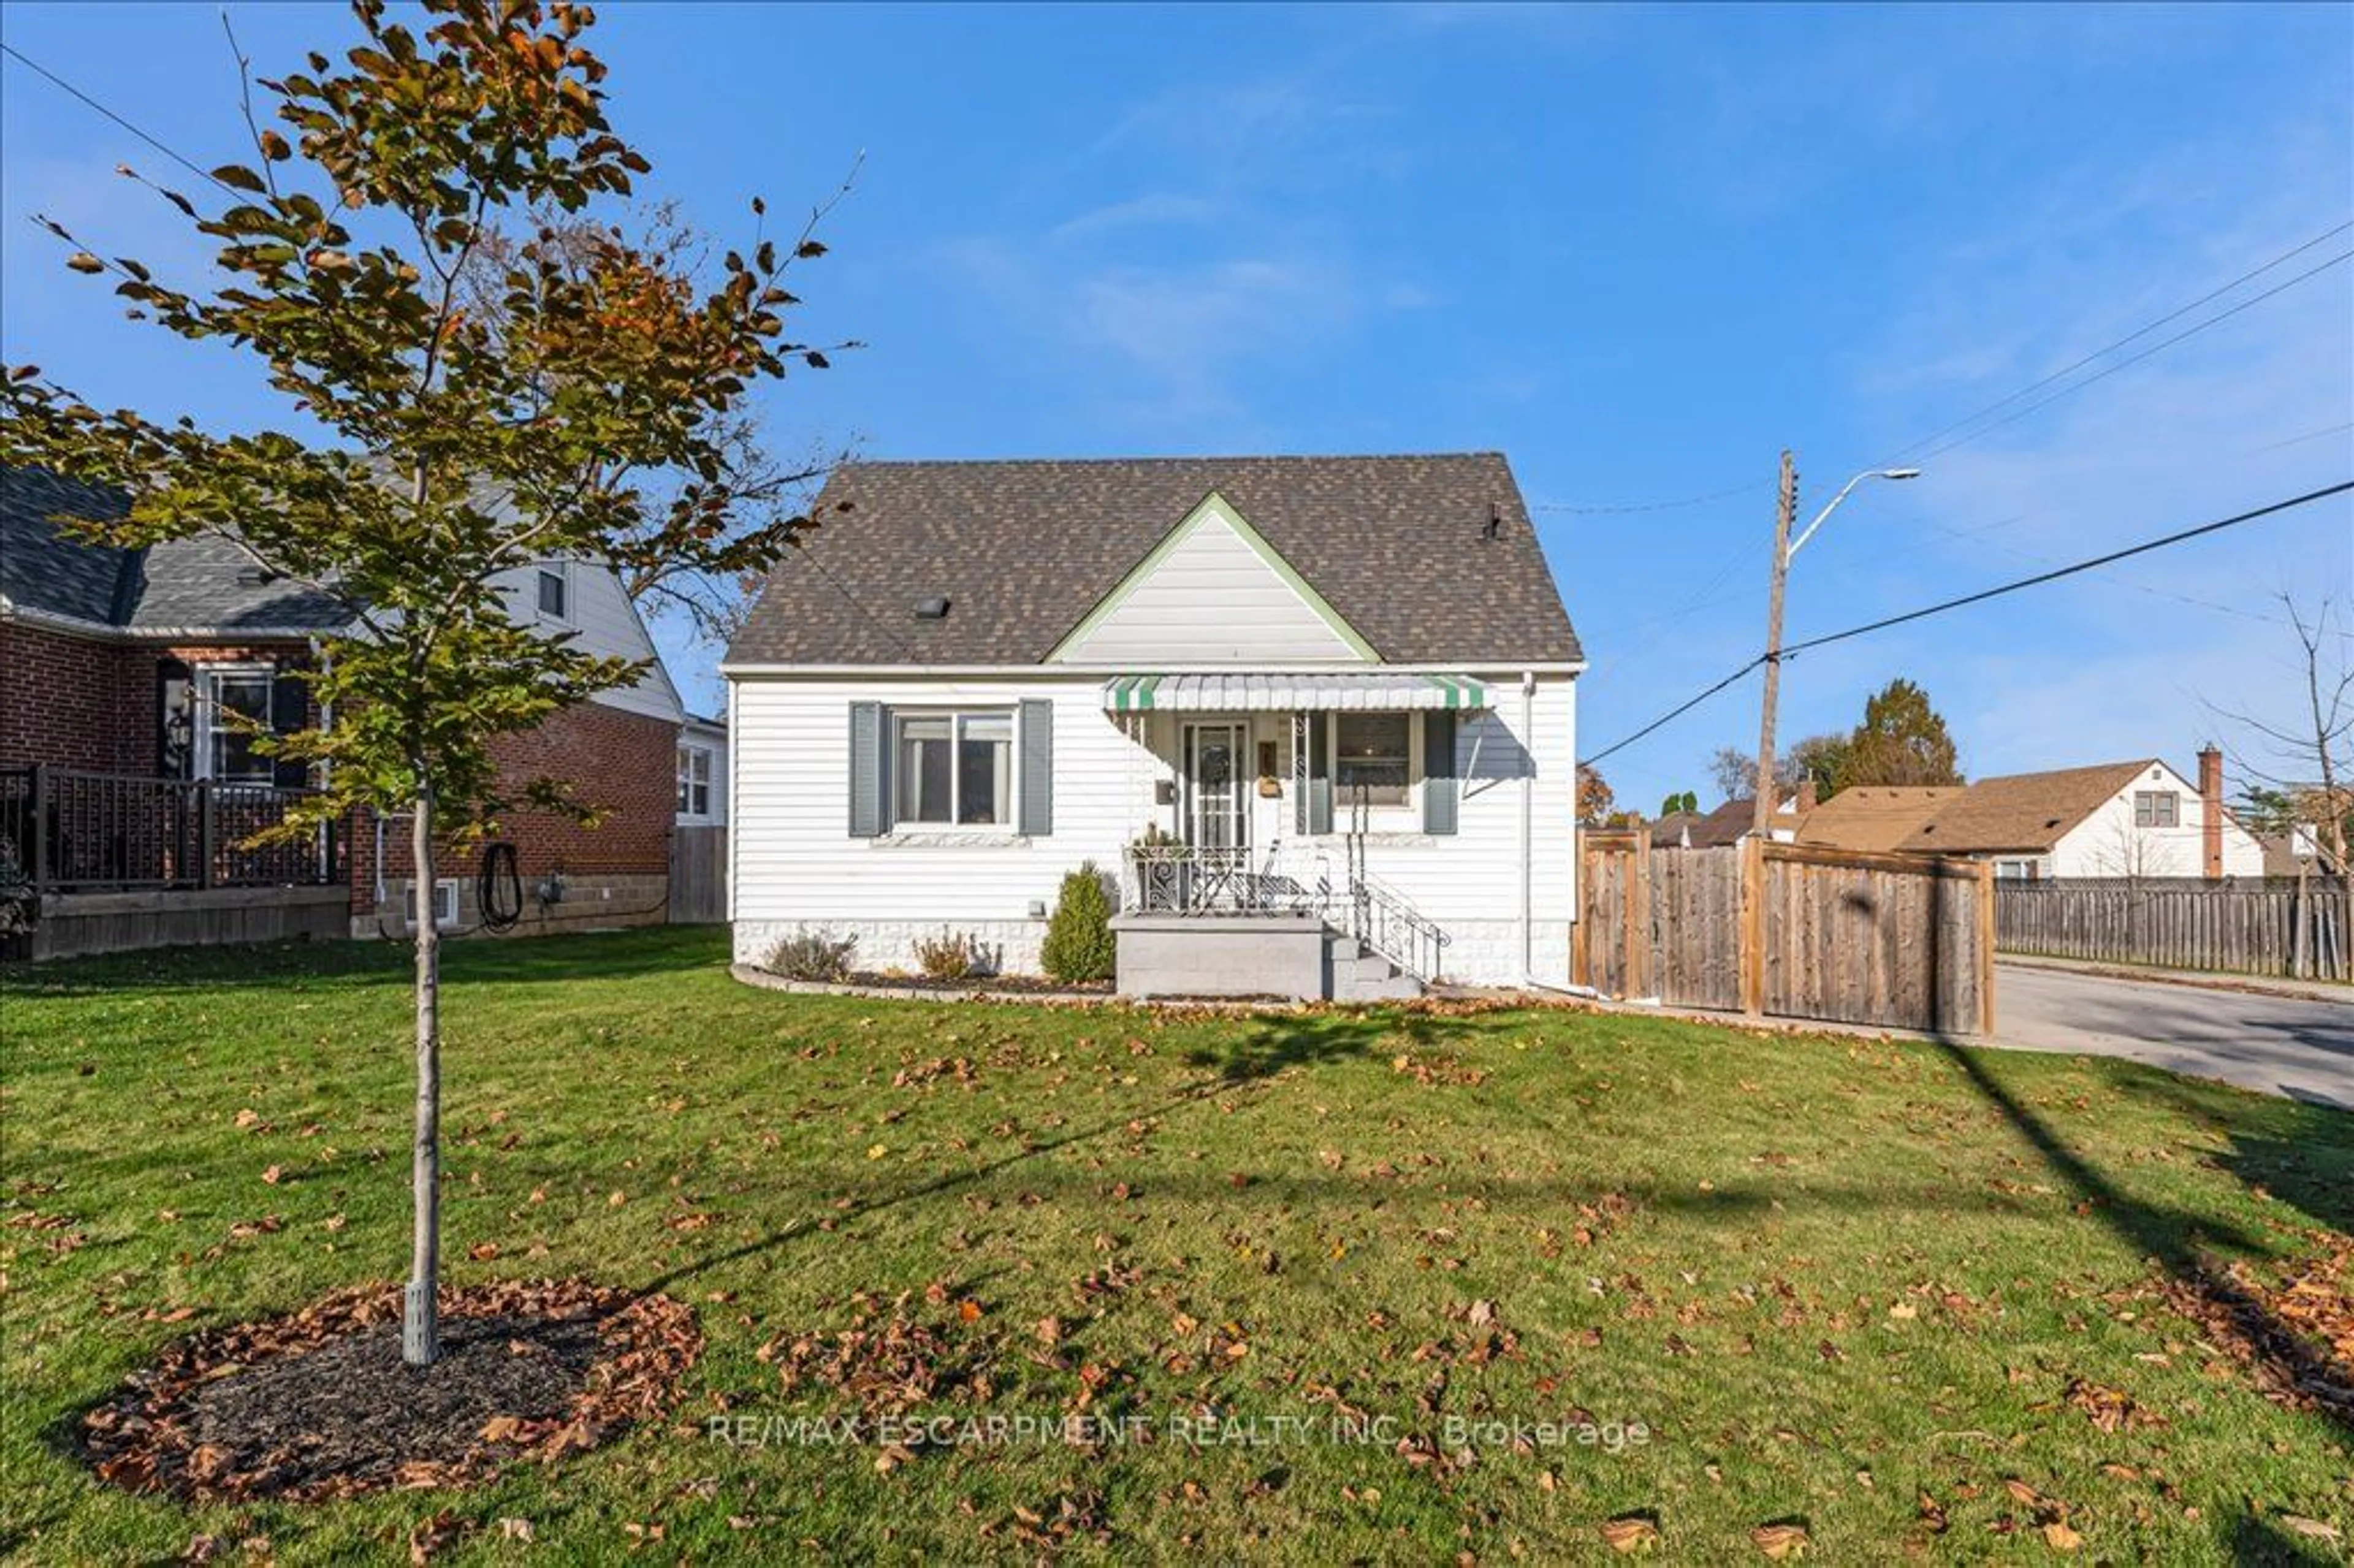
1637	251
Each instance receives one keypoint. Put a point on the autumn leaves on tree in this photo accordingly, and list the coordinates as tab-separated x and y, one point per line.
584	397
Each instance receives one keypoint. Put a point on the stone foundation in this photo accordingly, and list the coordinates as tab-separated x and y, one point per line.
591	902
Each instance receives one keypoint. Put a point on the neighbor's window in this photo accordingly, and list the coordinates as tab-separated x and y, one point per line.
955	768
1373	759
694	781
2155	808
555	594
2015	870
236	713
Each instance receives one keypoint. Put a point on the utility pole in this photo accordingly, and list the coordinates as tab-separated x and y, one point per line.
1785	513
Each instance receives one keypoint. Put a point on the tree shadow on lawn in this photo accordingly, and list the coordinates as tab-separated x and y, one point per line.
2299	1152
2180	1245
1280	1044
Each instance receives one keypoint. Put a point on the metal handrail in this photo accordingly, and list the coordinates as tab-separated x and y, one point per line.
1384	920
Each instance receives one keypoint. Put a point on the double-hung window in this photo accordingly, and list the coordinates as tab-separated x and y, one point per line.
233	711
695	781
953	769
1377	759
2157	808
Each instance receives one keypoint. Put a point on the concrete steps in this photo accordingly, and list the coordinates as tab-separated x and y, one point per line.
1359	974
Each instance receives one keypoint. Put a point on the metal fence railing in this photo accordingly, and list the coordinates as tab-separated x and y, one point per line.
66	831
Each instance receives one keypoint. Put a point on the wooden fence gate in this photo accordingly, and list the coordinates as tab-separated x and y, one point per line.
1789	931
698	875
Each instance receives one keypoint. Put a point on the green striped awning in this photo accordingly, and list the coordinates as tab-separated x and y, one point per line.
1289	694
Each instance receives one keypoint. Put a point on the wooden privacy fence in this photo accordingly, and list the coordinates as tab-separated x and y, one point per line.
1788	931
2281	927
698	875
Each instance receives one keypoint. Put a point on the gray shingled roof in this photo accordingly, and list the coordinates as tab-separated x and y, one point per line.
1023	550
41	568
201	585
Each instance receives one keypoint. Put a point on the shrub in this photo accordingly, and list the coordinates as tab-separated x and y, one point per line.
812	955
1078	944
950	956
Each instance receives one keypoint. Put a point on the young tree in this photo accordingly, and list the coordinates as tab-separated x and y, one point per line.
1686	801
1594	798
1822	758
2305	764
1734	775
1902	740
469	440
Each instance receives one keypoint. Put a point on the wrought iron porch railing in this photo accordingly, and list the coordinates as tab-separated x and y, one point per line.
63	830
1380	917
1189	879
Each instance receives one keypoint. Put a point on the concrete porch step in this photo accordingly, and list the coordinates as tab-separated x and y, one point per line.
1359	974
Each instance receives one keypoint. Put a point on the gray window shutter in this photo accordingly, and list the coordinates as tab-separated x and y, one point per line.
1316	806
1036	735
1438	783
870	769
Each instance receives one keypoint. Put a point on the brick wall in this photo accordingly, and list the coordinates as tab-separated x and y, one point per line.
92	704
614	872
74	702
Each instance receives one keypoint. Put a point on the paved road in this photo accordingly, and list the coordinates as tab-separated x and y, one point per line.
2281	1046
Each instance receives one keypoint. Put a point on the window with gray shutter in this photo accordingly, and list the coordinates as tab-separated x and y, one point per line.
870	731
1037	743
1439	792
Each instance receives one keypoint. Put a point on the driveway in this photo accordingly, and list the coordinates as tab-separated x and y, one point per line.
2281	1046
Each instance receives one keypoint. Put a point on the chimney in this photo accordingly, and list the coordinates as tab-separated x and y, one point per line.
2210	809
1807	801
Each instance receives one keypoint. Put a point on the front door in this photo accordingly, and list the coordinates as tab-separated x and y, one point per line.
1217	796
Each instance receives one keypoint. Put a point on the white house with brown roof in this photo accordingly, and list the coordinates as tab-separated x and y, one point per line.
1317	716
2134	818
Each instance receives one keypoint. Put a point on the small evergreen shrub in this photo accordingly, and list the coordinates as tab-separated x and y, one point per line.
950	956
812	955
1079	945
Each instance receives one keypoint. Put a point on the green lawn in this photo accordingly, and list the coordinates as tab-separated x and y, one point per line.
1844	1284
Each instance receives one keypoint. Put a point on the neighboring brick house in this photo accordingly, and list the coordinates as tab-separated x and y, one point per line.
123	674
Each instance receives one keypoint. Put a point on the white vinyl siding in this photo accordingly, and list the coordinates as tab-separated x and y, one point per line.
1213	600
602	620
796	863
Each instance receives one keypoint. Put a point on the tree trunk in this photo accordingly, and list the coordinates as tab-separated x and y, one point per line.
420	1328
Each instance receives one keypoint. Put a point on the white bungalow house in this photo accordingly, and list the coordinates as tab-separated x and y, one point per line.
1318	715
2137	819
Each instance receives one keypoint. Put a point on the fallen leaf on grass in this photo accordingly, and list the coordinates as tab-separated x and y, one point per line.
2313	1529
1780	1541
2059	1537
1631	1533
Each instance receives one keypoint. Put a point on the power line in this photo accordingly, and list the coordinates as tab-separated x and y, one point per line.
2109	370
2138	333
1979	598
2071	569
1616	510
189	165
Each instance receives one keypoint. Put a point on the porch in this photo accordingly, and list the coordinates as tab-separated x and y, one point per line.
93	862
1271	792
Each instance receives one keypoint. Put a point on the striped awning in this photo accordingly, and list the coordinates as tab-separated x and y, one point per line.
1289	694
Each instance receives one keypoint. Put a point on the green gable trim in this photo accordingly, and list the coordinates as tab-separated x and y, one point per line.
1215	505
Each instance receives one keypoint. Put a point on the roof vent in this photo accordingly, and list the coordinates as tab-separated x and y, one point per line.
933	609
255	576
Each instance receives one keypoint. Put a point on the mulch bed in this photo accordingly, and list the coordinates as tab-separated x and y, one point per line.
1010	985
320	1405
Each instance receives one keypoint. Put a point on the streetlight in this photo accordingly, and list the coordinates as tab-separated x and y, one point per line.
1784	548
